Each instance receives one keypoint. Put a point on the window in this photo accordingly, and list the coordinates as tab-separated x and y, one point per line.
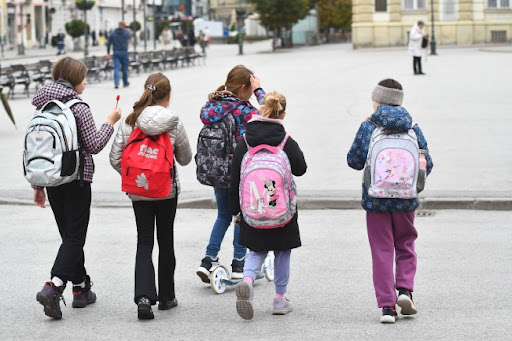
416	4
449	10
381	5
494	4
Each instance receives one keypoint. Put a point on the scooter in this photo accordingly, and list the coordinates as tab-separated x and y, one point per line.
220	277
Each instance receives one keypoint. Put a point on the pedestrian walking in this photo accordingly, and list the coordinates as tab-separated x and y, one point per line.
271	196
416	36
71	201
166	37
152	118
120	39
225	116
61	45
386	147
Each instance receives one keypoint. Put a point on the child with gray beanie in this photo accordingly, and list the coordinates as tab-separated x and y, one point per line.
390	210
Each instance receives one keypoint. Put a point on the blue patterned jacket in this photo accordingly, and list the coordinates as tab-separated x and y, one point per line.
395	118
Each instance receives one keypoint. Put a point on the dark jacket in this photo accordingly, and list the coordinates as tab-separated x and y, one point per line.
120	38
394	118
91	141
271	132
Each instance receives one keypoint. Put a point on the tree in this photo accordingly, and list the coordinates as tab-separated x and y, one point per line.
279	15
75	28
335	14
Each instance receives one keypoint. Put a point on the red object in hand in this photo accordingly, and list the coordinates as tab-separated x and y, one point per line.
117	100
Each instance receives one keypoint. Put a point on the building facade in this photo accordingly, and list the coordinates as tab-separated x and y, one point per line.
456	22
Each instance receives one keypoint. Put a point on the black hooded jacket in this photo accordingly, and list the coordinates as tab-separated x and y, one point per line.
271	132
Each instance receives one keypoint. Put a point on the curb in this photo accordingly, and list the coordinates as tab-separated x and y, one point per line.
484	204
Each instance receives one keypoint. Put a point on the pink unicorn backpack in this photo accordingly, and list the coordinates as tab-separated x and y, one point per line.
268	195
392	167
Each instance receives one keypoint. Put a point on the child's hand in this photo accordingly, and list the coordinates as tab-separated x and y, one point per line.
114	116
367	118
255	82
39	197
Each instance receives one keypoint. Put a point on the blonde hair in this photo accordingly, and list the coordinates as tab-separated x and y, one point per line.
69	69
237	77
157	86
274	106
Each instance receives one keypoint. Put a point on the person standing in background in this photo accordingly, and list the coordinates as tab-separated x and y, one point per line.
120	39
415	38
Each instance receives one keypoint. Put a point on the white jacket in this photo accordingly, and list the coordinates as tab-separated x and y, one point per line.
155	120
415	39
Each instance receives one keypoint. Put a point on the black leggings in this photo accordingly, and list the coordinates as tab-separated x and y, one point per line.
164	211
71	205
416	64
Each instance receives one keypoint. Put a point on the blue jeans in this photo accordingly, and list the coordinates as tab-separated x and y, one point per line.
121	59
221	225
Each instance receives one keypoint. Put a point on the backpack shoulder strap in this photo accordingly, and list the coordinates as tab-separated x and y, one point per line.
283	143
74	101
246	143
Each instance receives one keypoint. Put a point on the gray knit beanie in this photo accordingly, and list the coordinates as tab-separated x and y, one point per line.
390	96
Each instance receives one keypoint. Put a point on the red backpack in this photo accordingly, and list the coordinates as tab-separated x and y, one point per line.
146	165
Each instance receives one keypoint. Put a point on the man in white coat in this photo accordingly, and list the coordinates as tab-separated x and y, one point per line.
415	39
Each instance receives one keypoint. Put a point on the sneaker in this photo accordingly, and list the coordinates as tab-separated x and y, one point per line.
237	268
50	297
116	86
126	85
405	302
281	306
244	295
144	309
204	269
83	296
166	305
389	315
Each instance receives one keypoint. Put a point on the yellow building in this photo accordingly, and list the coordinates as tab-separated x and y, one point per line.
456	22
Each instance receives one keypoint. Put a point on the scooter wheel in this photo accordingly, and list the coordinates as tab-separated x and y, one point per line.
218	286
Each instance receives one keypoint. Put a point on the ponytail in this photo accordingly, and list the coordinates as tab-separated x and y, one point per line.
274	105
157	86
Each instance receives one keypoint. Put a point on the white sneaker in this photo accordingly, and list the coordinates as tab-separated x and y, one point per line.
405	302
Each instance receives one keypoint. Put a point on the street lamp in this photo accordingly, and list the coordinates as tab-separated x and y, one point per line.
21	46
85	5
154	26
134	28
433	40
240	18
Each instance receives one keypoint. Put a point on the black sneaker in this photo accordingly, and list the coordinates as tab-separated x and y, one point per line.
405	302
144	309
83	296
389	315
204	269
237	268
50	297
166	305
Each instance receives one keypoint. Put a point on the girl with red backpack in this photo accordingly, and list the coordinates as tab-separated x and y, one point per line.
150	116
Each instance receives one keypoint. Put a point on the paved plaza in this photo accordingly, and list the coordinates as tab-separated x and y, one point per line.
464	256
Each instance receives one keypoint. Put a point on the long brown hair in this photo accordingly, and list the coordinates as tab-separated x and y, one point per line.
274	106
157	86
69	69
237	77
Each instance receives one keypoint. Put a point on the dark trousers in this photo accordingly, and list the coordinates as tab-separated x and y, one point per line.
71	206
146	212
416	64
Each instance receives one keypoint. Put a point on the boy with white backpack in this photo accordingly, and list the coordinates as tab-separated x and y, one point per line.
263	191
391	148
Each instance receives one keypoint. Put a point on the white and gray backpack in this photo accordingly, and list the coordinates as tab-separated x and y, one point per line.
51	156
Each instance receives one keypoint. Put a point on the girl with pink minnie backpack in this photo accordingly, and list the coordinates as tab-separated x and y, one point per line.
269	219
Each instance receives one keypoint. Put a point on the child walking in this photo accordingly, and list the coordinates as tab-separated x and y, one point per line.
266	129
230	99
390	221
151	116
71	202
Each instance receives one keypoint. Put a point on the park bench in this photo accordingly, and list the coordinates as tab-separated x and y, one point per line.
20	76
134	61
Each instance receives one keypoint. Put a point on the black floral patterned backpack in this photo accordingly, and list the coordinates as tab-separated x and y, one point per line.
215	146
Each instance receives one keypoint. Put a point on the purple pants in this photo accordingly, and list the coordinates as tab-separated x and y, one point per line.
392	235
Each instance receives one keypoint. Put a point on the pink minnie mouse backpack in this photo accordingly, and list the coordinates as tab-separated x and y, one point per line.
268	195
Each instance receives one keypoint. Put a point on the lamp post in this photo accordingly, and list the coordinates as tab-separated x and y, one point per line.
154	26
85	5
240	18
21	45
122	10
134	28
433	40
145	25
